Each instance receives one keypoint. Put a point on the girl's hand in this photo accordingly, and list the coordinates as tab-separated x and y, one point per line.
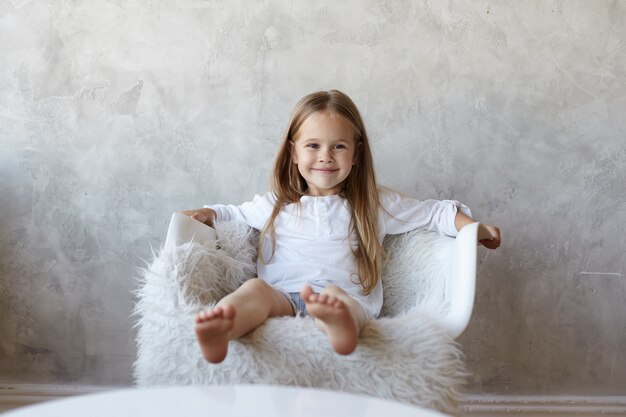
489	236
203	215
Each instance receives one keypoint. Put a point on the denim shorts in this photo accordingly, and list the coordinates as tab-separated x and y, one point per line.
297	303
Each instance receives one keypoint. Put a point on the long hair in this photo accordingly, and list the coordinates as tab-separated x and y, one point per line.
359	188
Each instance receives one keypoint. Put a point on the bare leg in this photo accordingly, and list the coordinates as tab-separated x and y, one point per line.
238	314
338	315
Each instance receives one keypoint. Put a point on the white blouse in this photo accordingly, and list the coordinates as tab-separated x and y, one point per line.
313	239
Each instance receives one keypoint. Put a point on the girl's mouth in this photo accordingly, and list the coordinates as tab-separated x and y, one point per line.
323	170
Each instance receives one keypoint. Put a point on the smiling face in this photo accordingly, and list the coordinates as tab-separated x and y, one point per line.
325	151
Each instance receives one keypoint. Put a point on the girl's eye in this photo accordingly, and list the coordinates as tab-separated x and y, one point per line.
312	145
340	146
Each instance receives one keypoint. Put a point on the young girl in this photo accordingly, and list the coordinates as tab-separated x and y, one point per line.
322	229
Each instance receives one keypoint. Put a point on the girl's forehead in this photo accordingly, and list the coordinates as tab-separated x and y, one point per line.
325	120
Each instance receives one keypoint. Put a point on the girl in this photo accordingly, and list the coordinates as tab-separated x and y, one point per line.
322	229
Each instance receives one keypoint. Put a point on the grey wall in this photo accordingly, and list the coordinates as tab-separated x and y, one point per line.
115	114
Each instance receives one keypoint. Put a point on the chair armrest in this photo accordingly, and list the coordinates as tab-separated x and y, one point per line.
461	282
183	229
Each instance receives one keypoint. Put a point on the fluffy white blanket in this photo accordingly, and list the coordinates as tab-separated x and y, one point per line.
402	356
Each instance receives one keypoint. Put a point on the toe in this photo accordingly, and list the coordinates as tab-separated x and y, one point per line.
306	292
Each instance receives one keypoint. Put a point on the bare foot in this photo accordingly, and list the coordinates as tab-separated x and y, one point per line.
212	330
335	318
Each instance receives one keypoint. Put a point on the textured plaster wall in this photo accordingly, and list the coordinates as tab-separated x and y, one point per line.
113	114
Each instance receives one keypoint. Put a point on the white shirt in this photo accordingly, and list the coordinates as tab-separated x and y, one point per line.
313	239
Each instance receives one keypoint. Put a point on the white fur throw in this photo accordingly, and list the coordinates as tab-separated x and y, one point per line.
402	356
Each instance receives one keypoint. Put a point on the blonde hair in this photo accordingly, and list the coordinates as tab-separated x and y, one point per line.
359	188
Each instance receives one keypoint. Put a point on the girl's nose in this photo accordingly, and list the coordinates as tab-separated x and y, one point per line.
325	156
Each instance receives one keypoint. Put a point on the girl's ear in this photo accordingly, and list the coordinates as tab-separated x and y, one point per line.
294	157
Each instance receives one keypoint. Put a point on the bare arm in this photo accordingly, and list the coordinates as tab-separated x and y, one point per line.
488	236
203	215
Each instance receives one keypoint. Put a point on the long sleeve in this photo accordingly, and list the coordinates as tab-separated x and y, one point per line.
400	214
254	213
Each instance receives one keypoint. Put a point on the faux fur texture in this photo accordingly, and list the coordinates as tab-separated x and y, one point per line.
402	356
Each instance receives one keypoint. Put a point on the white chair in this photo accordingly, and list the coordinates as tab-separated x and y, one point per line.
408	354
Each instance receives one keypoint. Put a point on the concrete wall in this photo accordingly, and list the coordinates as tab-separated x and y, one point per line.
113	114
